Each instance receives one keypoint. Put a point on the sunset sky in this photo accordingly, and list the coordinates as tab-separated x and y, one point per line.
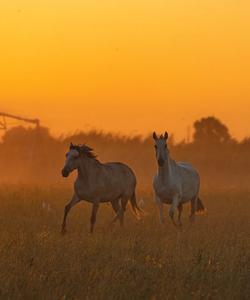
126	66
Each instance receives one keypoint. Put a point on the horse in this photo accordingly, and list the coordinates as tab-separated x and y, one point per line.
175	183
97	183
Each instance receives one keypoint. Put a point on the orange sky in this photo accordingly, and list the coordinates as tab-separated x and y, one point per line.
126	66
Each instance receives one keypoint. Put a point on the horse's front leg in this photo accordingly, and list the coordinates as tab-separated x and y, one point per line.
67	208
160	207
175	203
93	215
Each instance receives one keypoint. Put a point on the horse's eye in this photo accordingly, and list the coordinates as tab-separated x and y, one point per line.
165	146
155	147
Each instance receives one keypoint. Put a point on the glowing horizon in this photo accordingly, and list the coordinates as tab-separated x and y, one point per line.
126	67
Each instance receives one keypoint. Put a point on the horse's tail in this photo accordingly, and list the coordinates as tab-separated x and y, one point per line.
200	208
138	212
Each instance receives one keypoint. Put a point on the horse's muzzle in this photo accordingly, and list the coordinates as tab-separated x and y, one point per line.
65	173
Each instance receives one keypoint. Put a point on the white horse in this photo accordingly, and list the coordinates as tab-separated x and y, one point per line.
97	183
175	183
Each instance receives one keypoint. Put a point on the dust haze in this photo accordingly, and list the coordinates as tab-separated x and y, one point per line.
34	156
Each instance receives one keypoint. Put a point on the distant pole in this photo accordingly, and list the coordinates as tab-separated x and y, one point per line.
3	124
188	134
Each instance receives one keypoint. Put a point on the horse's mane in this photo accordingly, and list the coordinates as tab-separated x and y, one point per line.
84	149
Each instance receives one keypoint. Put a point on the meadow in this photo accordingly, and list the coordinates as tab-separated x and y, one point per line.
145	260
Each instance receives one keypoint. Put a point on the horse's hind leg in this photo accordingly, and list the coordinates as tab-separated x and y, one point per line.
119	210
180	209
67	208
124	203
193	209
116	207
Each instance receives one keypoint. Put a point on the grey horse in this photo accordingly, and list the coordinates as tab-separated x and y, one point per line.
175	183
96	183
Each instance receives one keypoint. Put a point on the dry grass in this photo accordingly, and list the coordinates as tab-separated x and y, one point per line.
210	260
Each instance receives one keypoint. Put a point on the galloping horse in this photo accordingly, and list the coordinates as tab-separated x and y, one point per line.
96	182
175	183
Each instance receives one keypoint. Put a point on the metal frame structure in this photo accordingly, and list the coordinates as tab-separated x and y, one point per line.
4	116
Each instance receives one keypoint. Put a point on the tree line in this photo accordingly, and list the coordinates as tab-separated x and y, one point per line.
34	156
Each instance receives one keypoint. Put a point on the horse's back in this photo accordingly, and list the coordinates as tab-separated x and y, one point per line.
120	169
121	175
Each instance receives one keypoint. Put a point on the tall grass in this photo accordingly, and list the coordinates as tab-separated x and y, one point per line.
145	260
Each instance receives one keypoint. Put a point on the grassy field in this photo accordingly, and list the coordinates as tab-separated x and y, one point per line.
145	260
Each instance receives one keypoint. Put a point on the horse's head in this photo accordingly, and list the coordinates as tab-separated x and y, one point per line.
72	160
161	148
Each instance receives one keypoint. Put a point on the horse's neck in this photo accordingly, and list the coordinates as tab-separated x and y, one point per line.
88	168
166	172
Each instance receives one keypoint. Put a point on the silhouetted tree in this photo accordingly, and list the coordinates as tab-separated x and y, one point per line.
33	155
20	136
210	130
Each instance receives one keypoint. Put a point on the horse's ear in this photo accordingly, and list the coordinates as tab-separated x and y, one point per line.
155	136
165	135
71	146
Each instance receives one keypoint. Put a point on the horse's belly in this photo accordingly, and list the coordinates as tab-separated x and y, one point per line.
166	195
110	197
106	197
167	201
